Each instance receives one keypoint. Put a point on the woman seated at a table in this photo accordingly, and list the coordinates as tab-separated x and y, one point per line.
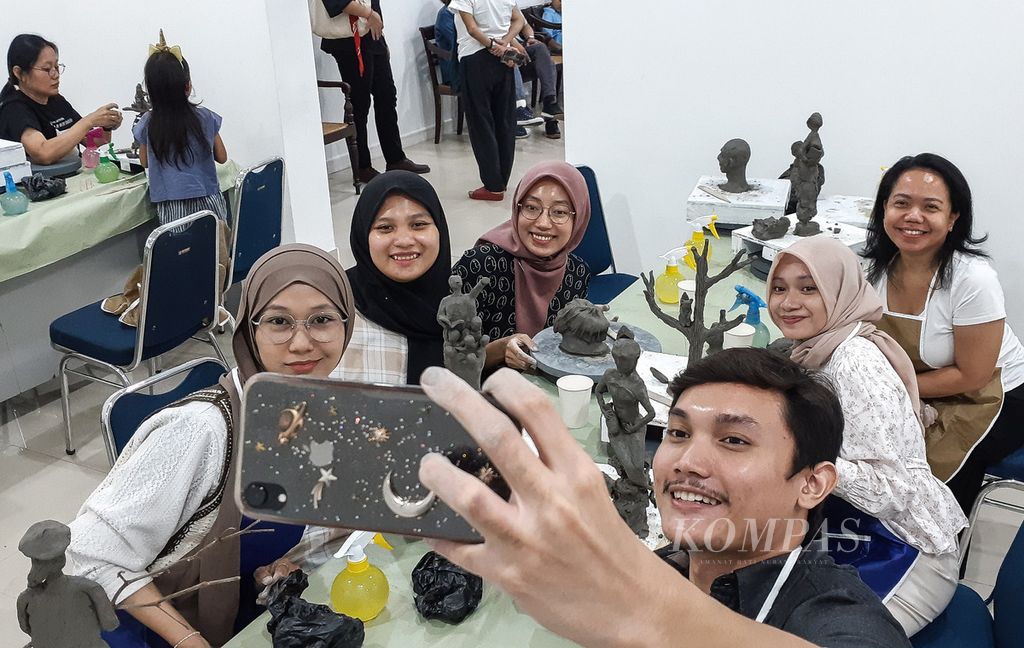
32	110
529	261
170	492
399	238
944	305
819	298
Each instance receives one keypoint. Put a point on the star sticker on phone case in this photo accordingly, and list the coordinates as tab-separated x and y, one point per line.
378	435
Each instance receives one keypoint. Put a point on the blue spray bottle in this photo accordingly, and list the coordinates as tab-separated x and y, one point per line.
746	296
13	202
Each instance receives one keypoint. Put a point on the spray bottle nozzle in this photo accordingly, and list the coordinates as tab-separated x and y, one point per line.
747	297
9	182
355	546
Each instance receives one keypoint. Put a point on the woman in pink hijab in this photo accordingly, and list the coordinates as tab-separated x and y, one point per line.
529	261
819	298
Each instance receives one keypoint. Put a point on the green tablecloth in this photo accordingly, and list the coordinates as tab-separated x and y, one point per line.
496	622
87	214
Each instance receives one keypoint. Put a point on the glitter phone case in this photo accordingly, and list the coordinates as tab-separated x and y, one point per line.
331	453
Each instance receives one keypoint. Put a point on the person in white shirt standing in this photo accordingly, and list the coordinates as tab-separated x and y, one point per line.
907	520
487	30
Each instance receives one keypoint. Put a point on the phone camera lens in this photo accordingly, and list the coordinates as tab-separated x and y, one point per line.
256	495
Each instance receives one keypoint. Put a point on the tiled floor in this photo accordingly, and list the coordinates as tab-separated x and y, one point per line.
38	481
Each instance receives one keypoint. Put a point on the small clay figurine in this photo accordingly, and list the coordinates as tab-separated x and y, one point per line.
140	107
60	611
766	229
807	179
626	430
732	160
584	327
464	341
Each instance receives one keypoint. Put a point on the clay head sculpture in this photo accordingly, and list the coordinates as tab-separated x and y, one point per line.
584	327
732	160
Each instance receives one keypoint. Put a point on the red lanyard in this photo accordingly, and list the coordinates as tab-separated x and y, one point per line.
353	21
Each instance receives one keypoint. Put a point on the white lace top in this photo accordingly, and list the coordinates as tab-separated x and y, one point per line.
882	465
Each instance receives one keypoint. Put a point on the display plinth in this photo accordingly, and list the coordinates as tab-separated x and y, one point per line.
851	210
766	198
851	236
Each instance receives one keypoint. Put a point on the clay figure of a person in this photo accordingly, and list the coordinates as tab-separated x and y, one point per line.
626	426
60	611
457	311
732	161
583	327
808	179
466	359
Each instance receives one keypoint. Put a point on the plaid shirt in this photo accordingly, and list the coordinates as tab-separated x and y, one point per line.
375	355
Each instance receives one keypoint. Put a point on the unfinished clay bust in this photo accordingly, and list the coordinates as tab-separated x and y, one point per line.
766	229
626	430
732	160
808	179
60	611
464	342
584	327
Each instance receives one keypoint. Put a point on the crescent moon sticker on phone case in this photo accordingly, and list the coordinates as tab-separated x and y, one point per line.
404	507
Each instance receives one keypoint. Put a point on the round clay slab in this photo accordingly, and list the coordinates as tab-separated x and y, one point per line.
553	362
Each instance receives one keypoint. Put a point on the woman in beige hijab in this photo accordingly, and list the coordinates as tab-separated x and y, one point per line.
820	299
168	494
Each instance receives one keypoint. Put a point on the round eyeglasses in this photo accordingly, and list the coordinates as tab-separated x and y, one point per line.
559	215
53	72
322	327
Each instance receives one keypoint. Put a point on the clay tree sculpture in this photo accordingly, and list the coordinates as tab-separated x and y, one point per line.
732	161
691	311
464	341
766	229
808	179
60	611
583	327
626	431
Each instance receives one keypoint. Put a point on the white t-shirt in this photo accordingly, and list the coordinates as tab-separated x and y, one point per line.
973	296
493	17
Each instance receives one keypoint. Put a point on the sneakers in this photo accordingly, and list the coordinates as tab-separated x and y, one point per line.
521	132
525	117
551	109
551	130
483	194
408	165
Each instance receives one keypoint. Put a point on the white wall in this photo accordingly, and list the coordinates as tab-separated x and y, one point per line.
251	62
889	78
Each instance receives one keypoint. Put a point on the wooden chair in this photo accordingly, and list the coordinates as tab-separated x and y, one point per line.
346	130
435	54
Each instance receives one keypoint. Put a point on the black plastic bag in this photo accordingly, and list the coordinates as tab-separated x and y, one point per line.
39	187
443	590
300	624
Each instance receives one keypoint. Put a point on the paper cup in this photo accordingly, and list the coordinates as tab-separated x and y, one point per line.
688	287
739	337
574	399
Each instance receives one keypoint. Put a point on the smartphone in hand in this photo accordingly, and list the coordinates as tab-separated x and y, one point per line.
332	453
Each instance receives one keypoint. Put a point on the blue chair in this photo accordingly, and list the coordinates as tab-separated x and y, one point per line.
1008	596
596	250
1007	474
256	218
965	623
179	301
128	407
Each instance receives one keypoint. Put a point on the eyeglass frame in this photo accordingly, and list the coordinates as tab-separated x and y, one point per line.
304	322
519	209
59	69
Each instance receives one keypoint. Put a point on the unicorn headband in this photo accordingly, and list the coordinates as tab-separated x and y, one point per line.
162	46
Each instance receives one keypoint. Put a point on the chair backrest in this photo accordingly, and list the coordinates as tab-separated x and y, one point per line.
428	33
127	408
965	622
1008	595
259	203
179	284
595	247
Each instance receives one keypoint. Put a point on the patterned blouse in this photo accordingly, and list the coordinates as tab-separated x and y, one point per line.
497	303
374	355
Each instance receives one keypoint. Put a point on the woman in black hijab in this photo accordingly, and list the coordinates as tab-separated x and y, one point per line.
399	238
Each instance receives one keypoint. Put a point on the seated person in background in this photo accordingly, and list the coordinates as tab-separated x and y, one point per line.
399	238
547	73
553	14
944	305
32	110
529	261
746	461
820	299
446	38
165	498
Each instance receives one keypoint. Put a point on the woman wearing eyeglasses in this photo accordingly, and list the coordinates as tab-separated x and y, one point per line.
529	261
170	492
32	110
399	238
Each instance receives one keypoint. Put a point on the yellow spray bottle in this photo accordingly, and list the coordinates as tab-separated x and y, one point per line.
666	286
361	589
696	239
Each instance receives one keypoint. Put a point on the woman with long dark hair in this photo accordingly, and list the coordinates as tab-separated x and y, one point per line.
179	140
944	305
32	110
